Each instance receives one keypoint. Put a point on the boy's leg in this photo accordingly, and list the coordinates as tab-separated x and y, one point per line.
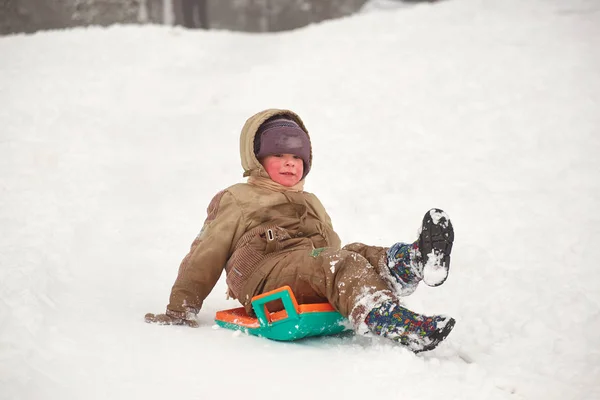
356	289
404	265
399	264
339	277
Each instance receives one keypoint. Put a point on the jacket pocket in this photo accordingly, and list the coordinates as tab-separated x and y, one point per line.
274	239
252	249
240	266
249	253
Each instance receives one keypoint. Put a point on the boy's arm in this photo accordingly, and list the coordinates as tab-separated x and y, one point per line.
202	266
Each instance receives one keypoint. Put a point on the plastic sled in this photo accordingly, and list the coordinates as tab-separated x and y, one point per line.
292	323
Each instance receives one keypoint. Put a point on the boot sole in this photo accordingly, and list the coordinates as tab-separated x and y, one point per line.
439	337
437	237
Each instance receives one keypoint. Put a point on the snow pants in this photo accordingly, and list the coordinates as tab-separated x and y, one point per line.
353	280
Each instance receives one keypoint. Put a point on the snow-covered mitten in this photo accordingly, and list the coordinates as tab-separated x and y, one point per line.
404	263
415	331
173	318
435	241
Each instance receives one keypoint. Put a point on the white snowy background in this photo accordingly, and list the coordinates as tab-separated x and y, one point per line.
113	141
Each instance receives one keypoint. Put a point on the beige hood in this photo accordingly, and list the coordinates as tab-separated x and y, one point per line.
250	163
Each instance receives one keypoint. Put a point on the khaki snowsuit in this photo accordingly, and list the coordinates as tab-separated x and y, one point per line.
266	235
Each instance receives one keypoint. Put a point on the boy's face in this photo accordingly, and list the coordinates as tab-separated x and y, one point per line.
285	169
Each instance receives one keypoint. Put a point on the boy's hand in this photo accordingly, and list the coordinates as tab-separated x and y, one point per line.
173	318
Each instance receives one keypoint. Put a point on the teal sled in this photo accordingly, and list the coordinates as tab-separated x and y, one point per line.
295	321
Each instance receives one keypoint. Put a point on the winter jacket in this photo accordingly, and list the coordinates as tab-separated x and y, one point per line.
248	224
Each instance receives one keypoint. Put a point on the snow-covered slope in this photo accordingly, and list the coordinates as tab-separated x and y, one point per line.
113	141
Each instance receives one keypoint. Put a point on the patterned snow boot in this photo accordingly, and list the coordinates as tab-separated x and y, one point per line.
406	267
427	259
415	331
435	244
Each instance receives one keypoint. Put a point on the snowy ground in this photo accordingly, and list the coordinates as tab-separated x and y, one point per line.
113	141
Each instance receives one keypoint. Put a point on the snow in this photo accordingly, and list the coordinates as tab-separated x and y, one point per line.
437	215
433	272
114	140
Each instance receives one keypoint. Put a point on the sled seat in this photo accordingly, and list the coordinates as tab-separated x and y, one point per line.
295	321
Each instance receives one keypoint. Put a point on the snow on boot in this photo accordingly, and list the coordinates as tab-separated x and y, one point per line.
435	244
415	331
405	266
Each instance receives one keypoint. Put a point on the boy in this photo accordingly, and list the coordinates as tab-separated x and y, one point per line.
268	233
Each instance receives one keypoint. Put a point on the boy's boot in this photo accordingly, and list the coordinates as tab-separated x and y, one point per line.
405	265
435	244
428	258
415	331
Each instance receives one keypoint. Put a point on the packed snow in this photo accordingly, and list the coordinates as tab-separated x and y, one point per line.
114	140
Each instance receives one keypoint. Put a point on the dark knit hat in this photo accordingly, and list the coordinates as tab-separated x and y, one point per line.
282	136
